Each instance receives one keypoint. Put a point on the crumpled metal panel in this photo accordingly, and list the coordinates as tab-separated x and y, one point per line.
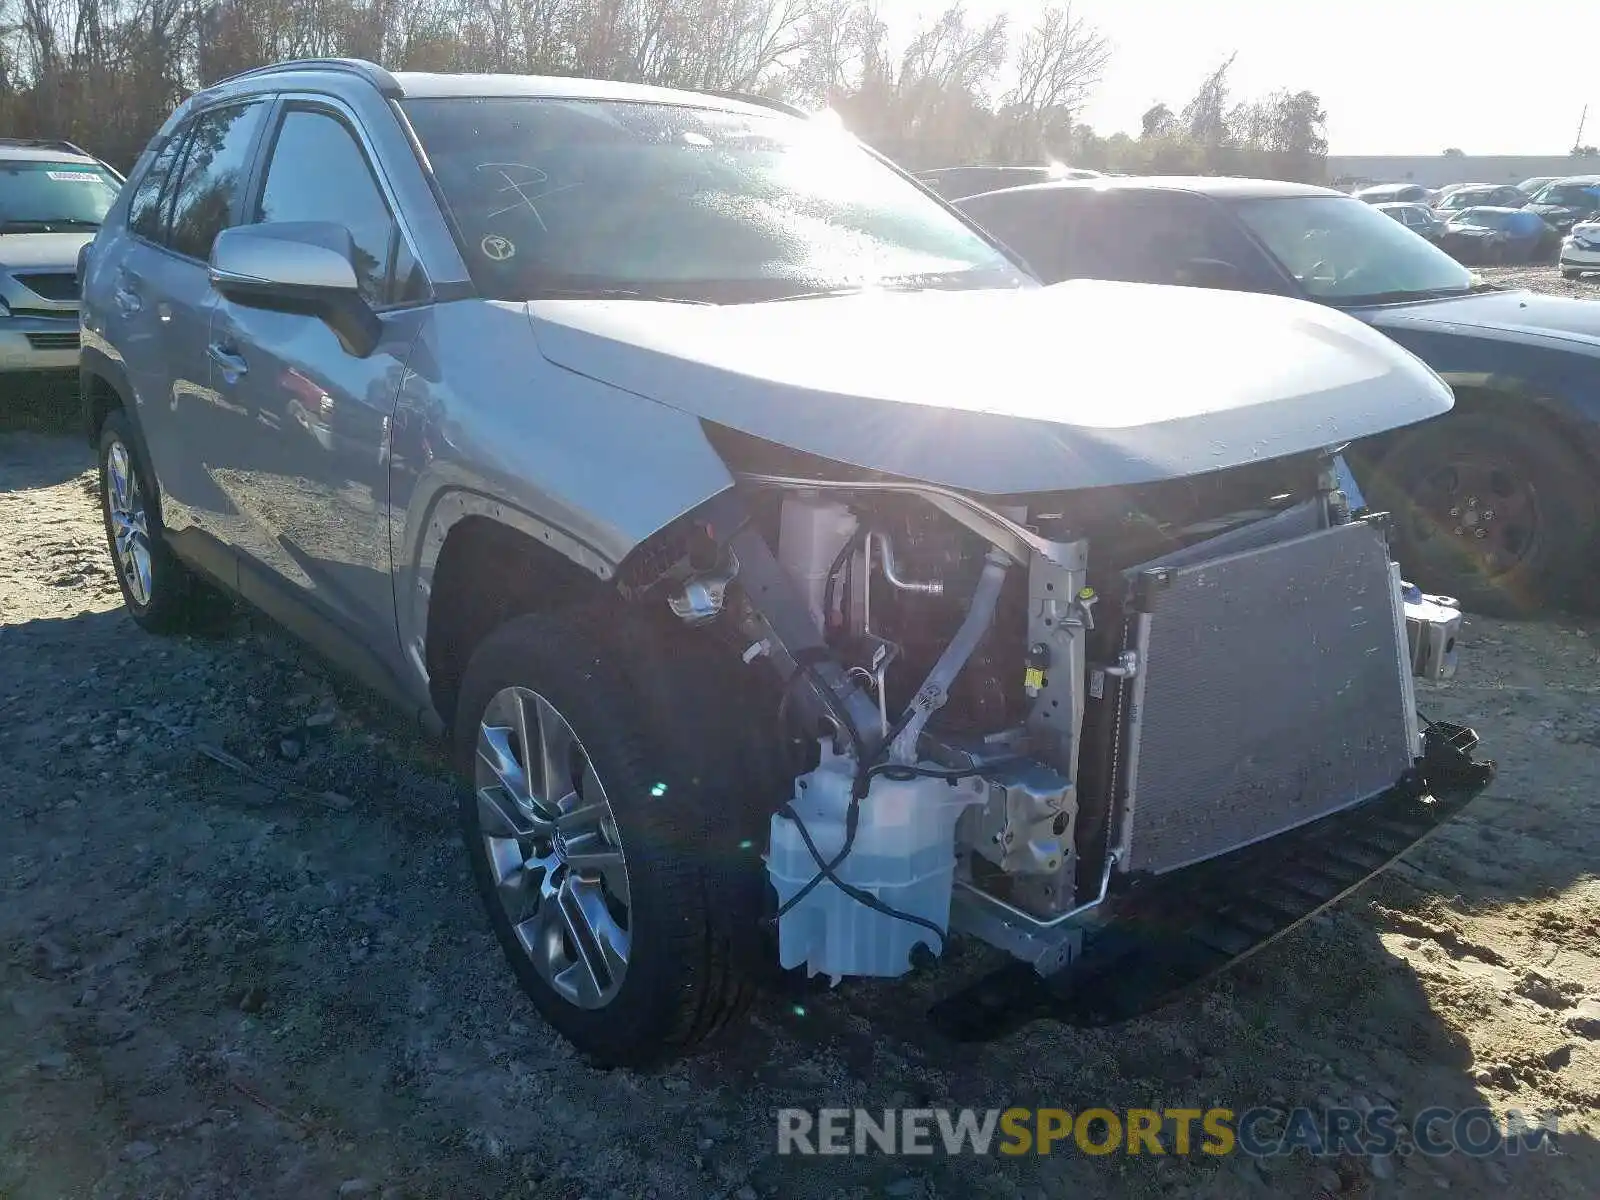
1273	696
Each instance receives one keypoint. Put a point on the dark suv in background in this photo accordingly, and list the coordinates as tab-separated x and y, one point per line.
1496	502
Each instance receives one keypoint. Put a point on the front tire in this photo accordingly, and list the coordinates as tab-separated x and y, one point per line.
161	594
1567	273
1494	511
603	865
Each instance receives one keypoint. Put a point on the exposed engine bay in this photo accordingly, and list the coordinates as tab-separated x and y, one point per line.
1016	705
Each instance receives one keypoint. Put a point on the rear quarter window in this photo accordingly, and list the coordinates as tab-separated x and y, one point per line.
145	216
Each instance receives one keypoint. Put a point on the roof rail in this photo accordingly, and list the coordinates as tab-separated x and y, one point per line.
45	144
370	71
763	102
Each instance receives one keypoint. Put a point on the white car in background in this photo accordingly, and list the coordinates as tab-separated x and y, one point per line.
1580	250
53	197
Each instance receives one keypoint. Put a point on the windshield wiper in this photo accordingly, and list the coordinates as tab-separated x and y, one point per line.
1403	294
45	225
954	281
606	293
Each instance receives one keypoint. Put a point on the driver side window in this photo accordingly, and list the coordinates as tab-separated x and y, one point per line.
318	172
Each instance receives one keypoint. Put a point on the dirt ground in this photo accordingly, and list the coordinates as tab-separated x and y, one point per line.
275	983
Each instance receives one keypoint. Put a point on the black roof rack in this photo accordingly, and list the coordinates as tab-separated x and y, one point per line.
763	102
370	71
45	144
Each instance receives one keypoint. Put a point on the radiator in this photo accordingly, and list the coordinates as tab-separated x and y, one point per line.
1274	693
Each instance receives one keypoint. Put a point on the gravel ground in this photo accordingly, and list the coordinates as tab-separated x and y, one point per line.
274	982
1544	277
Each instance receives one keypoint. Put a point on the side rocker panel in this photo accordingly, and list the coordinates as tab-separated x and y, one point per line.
487	427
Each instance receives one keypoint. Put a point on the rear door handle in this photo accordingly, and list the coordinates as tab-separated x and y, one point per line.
231	361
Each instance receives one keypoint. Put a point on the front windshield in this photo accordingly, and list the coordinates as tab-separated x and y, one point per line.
1462	199
1480	218
43	194
1344	251
1569	195
554	195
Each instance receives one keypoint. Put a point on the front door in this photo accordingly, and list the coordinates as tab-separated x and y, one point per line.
309	462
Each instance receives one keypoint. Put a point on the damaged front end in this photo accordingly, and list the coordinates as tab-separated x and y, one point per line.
1125	734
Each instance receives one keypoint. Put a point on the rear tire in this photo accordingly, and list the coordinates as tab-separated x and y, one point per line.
1494	511
161	594
684	826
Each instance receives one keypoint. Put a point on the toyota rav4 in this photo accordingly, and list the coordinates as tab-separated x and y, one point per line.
798	582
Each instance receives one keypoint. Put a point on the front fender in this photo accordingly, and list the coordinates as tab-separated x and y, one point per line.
486	427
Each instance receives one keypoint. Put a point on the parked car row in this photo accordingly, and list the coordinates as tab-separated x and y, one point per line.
781	559
1493	223
1564	202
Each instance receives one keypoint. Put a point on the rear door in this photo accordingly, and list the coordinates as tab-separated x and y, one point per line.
306	456
164	297
133	321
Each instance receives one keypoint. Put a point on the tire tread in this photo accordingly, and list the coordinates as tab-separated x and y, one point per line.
590	646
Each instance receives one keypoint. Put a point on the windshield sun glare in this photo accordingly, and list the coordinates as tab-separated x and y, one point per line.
672	201
1340	249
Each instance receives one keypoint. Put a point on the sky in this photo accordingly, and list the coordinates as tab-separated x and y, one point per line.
1395	76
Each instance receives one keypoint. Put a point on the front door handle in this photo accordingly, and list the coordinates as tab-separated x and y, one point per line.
231	361
127	299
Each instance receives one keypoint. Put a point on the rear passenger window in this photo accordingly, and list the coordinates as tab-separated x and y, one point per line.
1035	225
145	209
215	164
1153	238
319	173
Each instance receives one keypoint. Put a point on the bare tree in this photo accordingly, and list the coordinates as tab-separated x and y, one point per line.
1059	62
1205	117
107	72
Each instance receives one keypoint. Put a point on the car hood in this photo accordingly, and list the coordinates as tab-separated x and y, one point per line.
1081	384
1523	315
29	250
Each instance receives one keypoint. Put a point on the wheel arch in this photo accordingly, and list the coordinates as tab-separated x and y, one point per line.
102	387
1480	393
480	563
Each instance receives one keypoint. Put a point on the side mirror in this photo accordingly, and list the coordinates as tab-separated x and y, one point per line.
305	267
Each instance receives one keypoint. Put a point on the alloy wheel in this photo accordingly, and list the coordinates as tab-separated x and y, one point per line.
130	526
553	849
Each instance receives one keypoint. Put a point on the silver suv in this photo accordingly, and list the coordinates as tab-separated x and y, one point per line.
53	197
797	581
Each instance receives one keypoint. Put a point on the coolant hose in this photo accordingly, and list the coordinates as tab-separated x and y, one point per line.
936	688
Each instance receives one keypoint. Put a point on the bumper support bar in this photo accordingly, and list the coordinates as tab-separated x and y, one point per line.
1165	935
